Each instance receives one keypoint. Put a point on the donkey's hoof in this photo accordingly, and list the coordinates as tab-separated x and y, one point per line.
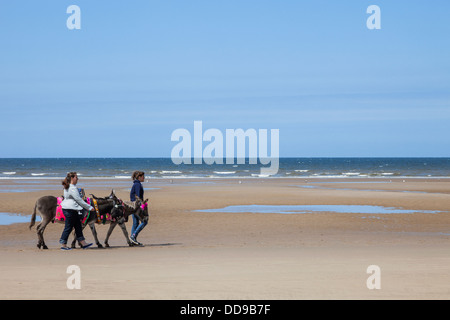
44	247
99	245
106	245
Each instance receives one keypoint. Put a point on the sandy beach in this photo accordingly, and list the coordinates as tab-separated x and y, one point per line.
243	255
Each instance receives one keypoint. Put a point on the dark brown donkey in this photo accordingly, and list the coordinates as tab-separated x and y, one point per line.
139	208
120	211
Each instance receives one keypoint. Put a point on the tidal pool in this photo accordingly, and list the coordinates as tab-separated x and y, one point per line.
299	209
7	218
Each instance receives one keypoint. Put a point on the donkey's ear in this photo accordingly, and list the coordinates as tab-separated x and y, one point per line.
112	194
137	198
146	200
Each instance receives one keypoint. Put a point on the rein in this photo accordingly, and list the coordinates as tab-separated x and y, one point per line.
94	201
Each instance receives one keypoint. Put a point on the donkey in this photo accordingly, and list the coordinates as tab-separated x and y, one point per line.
139	208
46	206
111	205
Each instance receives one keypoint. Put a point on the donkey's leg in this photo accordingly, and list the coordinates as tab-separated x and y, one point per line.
110	230
125	233
94	233
74	241
40	232
39	235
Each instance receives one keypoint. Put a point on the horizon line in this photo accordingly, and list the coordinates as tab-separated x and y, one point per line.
289	157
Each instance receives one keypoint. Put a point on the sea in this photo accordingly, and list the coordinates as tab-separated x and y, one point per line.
122	168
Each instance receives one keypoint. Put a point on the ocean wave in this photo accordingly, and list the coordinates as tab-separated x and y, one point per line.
38	174
9	173
296	172
351	173
224	172
181	177
260	175
170	172
324	176
385	174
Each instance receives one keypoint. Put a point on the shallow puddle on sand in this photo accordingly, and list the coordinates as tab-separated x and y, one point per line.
7	218
352	189
298	209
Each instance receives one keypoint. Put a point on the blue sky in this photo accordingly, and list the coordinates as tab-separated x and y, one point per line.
138	70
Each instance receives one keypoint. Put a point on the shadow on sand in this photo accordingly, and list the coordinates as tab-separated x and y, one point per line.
136	246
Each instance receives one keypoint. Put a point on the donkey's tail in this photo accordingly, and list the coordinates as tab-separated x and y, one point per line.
33	217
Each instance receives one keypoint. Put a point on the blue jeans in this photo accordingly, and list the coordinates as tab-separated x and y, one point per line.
73	220
137	227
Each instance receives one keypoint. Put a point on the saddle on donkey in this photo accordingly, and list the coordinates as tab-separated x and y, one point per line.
84	214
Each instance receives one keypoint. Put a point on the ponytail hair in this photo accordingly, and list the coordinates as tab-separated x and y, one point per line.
137	174
68	179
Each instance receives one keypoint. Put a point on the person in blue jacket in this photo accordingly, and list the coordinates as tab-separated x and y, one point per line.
137	190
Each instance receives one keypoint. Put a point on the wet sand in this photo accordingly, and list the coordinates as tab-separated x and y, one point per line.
211	255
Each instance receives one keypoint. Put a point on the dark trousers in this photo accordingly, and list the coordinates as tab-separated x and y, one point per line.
72	221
